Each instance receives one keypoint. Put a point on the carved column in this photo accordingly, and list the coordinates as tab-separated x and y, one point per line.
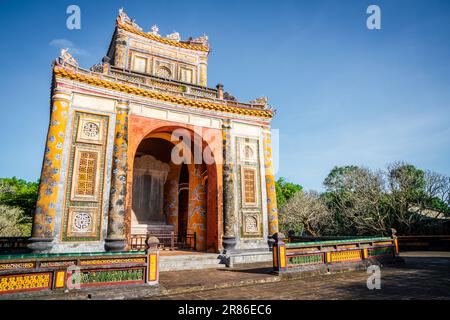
229	237
272	210
44	218
203	72
116	238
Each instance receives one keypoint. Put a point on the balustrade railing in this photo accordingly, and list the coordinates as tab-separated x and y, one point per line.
143	80
299	256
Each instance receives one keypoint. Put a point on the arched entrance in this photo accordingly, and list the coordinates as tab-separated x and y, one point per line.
163	195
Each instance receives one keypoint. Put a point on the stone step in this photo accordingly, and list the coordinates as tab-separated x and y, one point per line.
190	262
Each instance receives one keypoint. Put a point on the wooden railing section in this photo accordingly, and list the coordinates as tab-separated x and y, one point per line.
167	241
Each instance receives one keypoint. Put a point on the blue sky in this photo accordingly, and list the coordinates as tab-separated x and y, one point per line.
344	94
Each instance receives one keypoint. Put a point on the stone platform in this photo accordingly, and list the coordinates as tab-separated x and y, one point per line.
192	260
246	257
189	260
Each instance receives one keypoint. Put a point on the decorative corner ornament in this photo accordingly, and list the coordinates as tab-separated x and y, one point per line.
67	58
203	40
175	36
123	16
260	101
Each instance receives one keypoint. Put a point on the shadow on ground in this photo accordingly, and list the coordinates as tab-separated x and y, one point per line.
419	278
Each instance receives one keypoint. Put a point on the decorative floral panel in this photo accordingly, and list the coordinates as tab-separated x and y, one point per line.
83	203
252	223
248	152
91	130
164	69
249	187
82	221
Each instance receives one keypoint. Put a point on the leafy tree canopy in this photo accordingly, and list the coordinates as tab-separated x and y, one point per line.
339	178
407	179
19	193
286	190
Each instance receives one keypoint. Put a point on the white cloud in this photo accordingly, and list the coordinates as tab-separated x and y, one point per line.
67	44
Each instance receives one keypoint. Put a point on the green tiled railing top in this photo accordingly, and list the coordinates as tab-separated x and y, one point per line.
68	255
332	242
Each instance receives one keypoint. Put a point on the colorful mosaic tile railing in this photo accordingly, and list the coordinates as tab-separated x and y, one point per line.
321	254
26	282
103	277
36	272
379	252
346	256
15	266
306	259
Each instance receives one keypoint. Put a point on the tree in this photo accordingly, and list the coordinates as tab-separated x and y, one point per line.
305	212
407	179
356	196
403	197
337	179
407	195
9	226
19	193
17	205
437	191
286	190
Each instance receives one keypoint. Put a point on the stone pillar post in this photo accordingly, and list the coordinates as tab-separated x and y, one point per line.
272	210
106	64
229	237
44	218
219	91
116	238
279	253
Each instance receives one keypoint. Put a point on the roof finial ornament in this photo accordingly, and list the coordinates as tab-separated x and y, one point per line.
67	58
155	30
123	16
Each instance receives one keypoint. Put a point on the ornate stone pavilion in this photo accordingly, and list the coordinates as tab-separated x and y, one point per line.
140	143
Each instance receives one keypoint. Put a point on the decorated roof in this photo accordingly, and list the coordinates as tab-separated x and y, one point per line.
125	23
76	75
